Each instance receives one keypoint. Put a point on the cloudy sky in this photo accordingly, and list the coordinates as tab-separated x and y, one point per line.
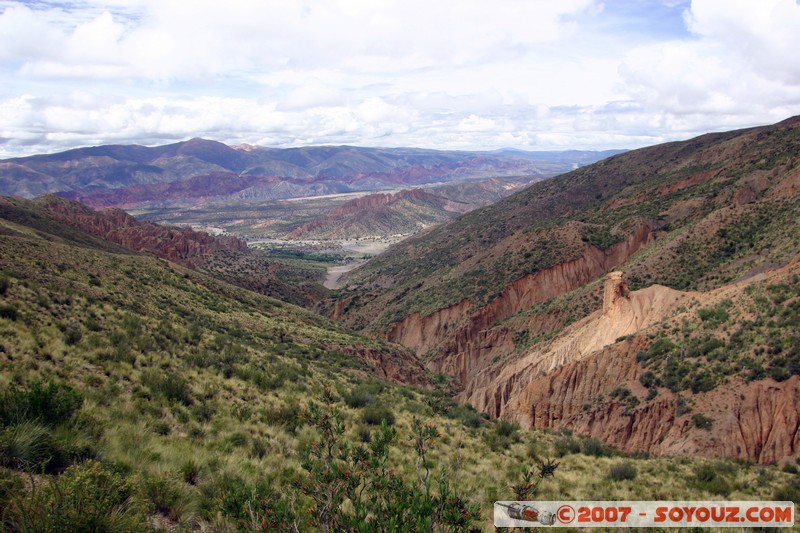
472	74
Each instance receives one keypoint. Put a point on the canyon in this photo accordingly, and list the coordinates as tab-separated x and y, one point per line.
611	260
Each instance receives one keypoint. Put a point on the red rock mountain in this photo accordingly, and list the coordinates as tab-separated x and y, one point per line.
407	211
181	245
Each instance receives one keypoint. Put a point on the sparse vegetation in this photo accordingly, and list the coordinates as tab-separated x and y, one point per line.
137	394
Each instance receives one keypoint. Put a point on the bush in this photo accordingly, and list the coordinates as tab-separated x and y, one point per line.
702	422
622	471
506	429
48	404
649	379
374	415
5	283
85	497
706	473
173	387
708	478
167	496
789	492
25	446
596	448
286	416
8	311
362	395
566	446
73	334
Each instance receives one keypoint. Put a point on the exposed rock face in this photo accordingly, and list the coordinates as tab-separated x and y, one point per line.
757	421
492	389
462	337
181	245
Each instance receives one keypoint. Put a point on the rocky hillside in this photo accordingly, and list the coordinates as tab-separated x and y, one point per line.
407	211
494	297
226	257
403	212
200	171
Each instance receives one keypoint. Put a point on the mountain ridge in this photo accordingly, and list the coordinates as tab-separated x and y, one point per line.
82	173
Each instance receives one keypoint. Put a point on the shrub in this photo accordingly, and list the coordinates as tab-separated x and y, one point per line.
168	497
706	479
714	316
506	429
173	387
25	446
702	422
649	379
8	311
622	471
48	404
5	283
285	415
362	395
374	415
73	334
566	446
85	497
789	492
705	473
595	448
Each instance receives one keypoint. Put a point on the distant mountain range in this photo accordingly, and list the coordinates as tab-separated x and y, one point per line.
200	171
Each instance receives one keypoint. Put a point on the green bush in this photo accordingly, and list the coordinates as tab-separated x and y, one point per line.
171	386
788	492
622	471
5	283
48	404
362	395
73	334
25	446
709	478
375	415
503	435
595	448
702	422
85	497
168	496
285	415
566	446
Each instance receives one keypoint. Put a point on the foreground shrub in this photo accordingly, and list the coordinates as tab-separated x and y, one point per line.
25	446
47	404
85	497
338	472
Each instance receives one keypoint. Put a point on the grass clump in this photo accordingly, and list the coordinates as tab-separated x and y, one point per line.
622	471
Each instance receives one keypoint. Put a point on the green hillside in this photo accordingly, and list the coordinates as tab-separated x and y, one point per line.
718	206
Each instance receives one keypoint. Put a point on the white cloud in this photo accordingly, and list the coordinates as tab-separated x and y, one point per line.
525	73
739	68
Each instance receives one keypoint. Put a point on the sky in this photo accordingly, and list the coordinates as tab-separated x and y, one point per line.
466	74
